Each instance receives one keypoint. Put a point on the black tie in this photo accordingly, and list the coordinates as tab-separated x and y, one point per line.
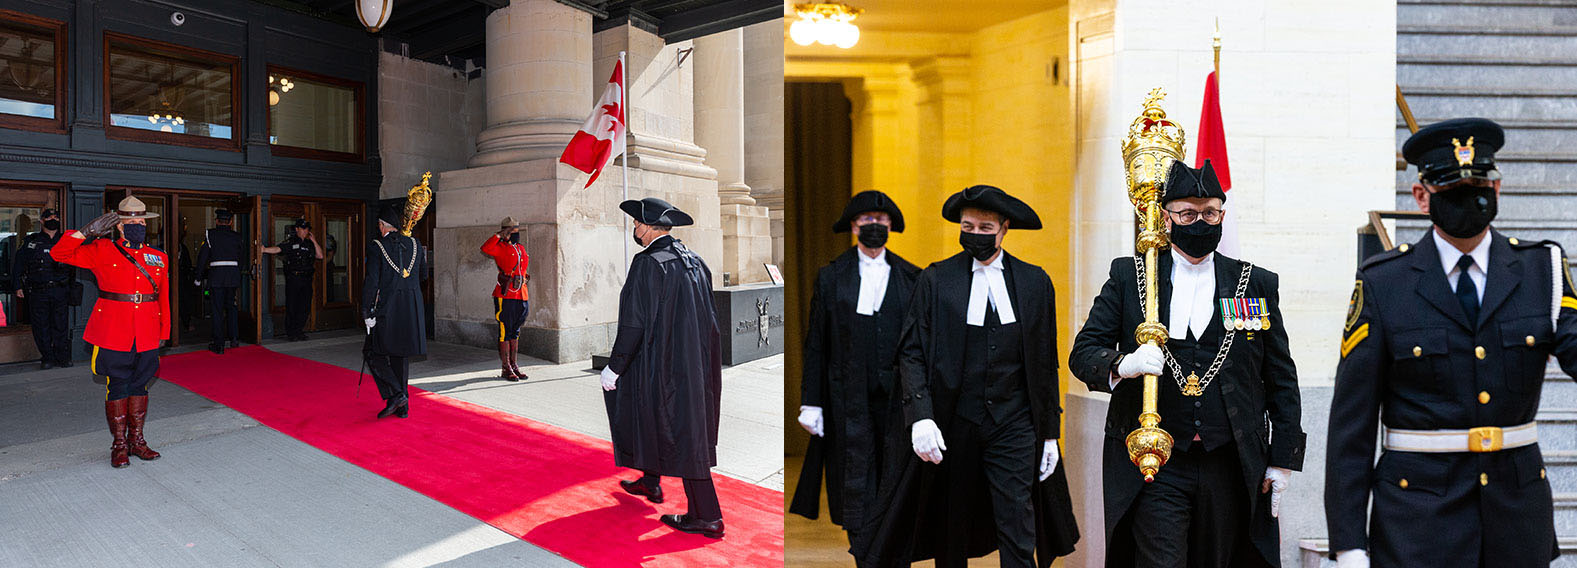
1467	293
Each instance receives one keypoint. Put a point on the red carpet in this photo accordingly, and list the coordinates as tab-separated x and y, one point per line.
552	487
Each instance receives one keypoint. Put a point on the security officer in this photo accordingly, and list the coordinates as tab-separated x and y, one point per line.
511	301
45	284
219	268
302	254
1449	336
129	320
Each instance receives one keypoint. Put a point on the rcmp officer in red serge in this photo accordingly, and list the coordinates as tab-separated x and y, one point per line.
1228	395
1445	346
219	269
511	302
130	318
849	391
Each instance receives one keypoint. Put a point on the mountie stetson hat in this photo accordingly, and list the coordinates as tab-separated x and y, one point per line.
393	214
1183	182
508	223
223	214
1018	213
133	208
867	201
1452	150
654	211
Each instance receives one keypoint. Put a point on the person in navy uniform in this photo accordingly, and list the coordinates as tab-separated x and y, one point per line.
1445	346
1228	394
848	393
393	310
219	269
301	255
45	283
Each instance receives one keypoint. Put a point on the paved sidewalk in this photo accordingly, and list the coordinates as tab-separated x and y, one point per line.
230	492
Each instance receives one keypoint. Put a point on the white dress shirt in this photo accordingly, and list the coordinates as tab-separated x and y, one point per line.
1193	296
989	286
1449	255
873	282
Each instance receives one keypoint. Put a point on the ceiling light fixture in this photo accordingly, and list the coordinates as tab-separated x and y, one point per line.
826	23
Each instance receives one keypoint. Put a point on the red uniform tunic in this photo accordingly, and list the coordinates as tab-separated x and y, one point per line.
115	324
511	260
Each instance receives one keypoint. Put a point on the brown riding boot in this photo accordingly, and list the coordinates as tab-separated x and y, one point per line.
508	373
115	414
137	416
514	352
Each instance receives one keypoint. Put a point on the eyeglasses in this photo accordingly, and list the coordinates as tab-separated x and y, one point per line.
864	219
1189	216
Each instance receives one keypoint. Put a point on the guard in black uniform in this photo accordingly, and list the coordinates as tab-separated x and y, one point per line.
1228	395
1445	345
219	270
302	254
848	395
45	283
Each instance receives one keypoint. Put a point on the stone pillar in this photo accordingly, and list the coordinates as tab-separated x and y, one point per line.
720	128
764	136
538	68
945	122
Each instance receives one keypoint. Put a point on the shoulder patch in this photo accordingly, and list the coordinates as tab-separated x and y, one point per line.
1354	305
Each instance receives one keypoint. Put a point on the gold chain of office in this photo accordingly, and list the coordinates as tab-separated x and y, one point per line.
1194	385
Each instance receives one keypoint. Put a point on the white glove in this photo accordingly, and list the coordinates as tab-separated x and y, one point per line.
1048	459
810	418
1355	558
1147	360
610	379
1277	480
927	440
370	323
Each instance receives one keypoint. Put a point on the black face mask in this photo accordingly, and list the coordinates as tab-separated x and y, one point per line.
135	234
514	238
52	225
636	234
1463	212
1196	239
979	246
873	235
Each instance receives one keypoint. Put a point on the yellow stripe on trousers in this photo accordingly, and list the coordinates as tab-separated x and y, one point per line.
498	316
93	367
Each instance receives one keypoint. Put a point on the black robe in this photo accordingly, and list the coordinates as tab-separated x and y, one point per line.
835	378
914	520
1258	384
393	298
668	356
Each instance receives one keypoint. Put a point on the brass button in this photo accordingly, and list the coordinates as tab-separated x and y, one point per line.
1479	352
1528	340
1404	247
1402	483
1483	479
1418	351
1541	473
1514	240
1483	397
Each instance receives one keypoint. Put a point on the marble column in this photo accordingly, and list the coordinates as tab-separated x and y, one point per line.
538	69
720	128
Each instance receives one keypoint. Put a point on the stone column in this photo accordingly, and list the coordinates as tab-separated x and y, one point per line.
720	128
945	122
764	123
538	67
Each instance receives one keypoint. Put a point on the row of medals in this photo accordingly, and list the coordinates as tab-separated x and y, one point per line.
1249	324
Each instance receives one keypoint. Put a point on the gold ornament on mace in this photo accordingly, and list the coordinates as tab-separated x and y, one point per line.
416	203
1150	147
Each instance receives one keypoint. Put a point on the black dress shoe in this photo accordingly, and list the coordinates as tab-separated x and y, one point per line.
217	348
404	411
638	489
692	525
64	363
391	407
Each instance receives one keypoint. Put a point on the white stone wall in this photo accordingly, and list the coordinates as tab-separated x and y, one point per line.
429	116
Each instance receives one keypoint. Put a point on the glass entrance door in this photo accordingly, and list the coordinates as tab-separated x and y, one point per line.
336	226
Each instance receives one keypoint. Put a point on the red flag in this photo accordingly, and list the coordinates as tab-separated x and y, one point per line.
602	136
1213	147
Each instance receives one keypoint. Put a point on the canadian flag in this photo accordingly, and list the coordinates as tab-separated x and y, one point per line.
602	136
1213	148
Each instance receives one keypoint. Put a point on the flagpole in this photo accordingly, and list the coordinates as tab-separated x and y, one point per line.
624	112
1215	43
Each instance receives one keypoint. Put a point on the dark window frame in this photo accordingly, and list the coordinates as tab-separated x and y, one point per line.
173	51
55	125
360	92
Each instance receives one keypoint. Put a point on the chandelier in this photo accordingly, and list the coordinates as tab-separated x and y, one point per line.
278	86
826	23
166	117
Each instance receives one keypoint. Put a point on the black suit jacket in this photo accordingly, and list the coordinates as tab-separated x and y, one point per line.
221	244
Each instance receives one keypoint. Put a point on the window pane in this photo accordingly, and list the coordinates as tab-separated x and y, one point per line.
27	70
15	222
151	89
309	114
335	240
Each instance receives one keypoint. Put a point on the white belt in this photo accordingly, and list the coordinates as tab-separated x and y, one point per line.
1485	439
224	263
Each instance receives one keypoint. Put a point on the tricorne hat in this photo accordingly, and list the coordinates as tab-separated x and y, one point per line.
1018	213
654	211
1183	182
867	201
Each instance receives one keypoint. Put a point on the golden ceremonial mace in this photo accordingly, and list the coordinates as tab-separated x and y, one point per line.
1152	144
416	202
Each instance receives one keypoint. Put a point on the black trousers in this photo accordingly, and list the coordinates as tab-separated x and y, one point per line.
392	373
1195	514
129	372
49	315
1007	455
509	314
226	326
298	302
701	494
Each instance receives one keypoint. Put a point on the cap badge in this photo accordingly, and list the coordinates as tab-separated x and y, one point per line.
1464	152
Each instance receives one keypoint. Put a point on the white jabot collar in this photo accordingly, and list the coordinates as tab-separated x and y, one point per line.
989	286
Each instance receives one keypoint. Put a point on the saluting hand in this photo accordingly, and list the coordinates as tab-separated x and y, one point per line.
102	225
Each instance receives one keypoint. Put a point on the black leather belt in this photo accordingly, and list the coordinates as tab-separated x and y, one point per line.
133	298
